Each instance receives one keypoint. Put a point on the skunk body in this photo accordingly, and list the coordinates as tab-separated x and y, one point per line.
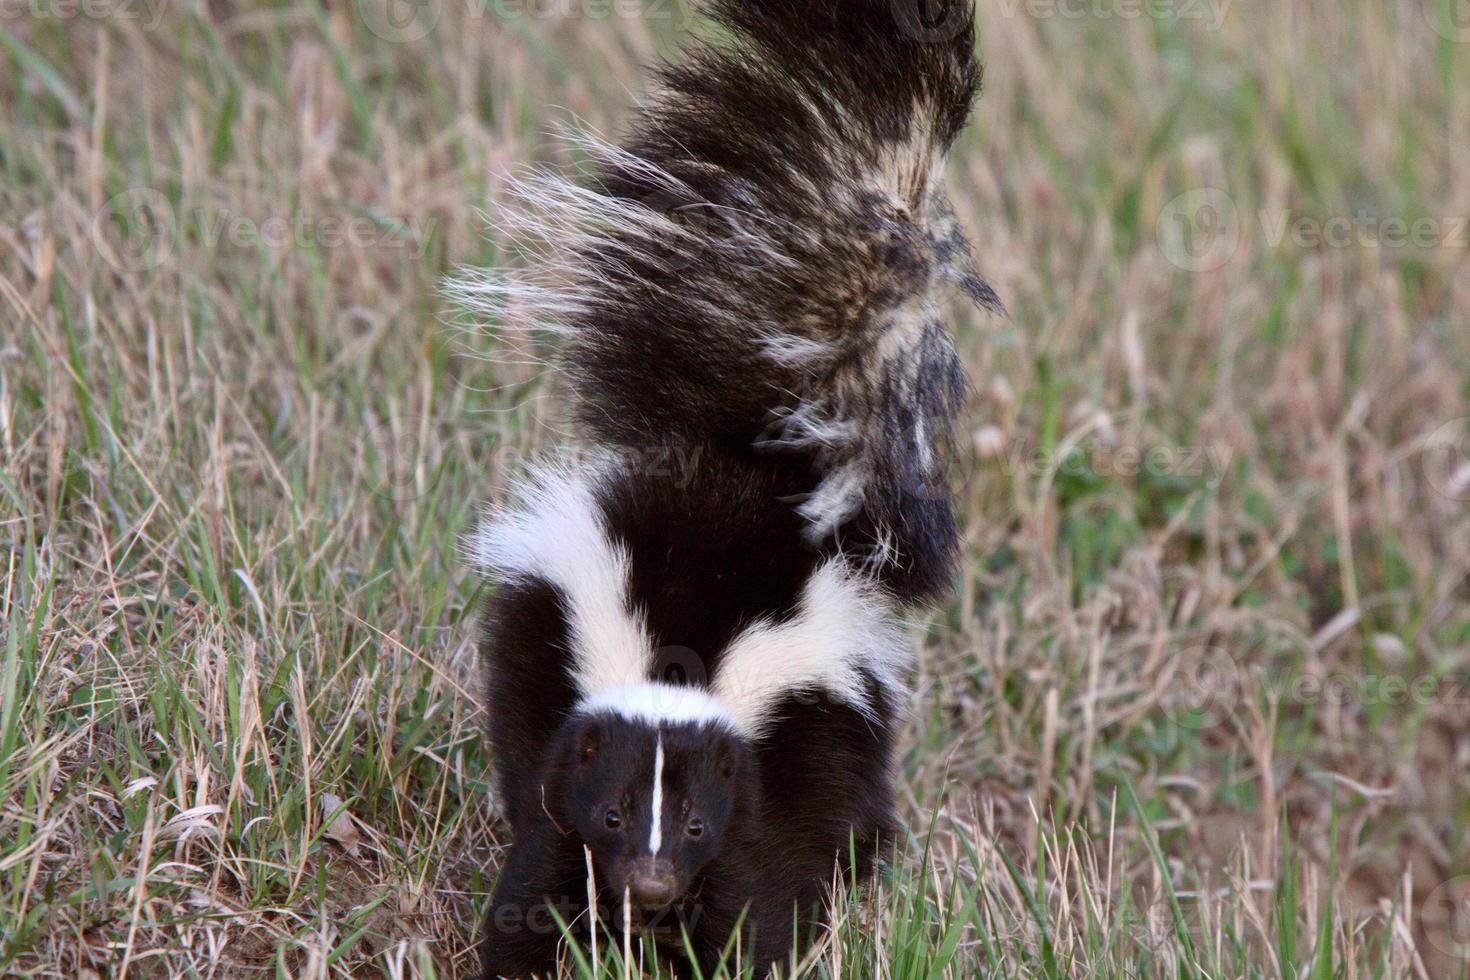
695	673
684	611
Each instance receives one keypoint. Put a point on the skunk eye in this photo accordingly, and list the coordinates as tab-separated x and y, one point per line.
696	827
613	820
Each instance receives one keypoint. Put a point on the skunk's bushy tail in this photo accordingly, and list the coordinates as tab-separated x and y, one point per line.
761	265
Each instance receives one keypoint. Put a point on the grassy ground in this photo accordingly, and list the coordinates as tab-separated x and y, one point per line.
1200	706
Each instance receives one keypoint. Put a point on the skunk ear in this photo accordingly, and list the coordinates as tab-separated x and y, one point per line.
589	742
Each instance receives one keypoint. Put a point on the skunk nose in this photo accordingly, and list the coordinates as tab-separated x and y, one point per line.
651	884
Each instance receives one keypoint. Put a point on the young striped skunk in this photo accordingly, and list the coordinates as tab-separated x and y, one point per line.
695	671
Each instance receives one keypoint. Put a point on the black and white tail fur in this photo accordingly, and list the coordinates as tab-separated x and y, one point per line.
751	283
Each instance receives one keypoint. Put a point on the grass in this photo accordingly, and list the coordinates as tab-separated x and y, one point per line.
1199	707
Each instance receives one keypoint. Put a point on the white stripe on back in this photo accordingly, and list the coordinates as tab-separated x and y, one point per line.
845	625
558	534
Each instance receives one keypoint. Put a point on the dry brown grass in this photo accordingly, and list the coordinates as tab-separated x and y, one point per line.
1218	524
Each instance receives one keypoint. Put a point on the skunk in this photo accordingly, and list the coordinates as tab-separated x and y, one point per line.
730	799
695	671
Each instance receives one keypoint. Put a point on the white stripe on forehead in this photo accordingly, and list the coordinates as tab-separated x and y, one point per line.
656	834
558	534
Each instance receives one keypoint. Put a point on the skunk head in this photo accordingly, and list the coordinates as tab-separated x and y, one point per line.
653	796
